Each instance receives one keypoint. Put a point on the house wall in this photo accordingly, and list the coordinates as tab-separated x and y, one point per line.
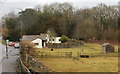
39	41
56	40
53	40
44	44
47	38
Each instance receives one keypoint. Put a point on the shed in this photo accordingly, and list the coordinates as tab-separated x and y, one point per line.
108	48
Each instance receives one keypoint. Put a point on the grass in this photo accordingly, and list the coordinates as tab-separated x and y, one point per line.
87	48
81	65
94	64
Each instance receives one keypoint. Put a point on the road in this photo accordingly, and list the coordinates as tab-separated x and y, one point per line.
9	64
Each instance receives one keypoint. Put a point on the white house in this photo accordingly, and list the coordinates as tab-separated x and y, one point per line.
38	40
54	40
38	43
41	40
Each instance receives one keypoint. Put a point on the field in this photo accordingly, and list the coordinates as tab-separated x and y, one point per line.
90	49
93	64
109	64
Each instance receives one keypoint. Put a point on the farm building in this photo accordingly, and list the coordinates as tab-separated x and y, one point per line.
108	48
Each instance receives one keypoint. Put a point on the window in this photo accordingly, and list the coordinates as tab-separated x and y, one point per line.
59	40
36	43
53	39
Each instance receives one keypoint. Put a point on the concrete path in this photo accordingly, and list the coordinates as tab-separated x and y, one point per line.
10	64
2	54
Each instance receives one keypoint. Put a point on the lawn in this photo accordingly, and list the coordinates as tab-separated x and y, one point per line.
94	64
108	64
87	48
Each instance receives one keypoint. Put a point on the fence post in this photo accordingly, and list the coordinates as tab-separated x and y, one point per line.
71	54
78	54
58	54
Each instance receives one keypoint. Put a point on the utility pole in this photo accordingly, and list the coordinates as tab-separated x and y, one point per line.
7	48
6	43
21	22
21	19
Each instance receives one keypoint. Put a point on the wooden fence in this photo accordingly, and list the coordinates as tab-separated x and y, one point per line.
98	55
55	54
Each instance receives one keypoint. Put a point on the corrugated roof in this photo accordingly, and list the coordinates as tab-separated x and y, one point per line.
32	37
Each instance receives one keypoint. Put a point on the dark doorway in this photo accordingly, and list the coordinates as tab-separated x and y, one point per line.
42	43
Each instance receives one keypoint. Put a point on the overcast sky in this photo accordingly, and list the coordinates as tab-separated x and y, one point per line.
13	5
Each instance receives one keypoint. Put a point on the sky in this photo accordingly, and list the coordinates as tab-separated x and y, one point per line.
15	5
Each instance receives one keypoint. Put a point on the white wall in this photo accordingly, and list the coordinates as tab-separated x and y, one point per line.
56	40
39	41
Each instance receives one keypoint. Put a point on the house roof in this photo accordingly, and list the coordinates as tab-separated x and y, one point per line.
32	37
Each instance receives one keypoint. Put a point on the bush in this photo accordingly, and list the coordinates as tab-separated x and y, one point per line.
64	38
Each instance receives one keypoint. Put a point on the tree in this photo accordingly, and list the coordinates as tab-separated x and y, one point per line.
106	18
9	27
30	20
63	19
64	38
4	33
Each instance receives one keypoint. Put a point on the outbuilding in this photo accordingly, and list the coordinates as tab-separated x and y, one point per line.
108	48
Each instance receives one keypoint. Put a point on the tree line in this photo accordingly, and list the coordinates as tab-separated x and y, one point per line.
99	22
